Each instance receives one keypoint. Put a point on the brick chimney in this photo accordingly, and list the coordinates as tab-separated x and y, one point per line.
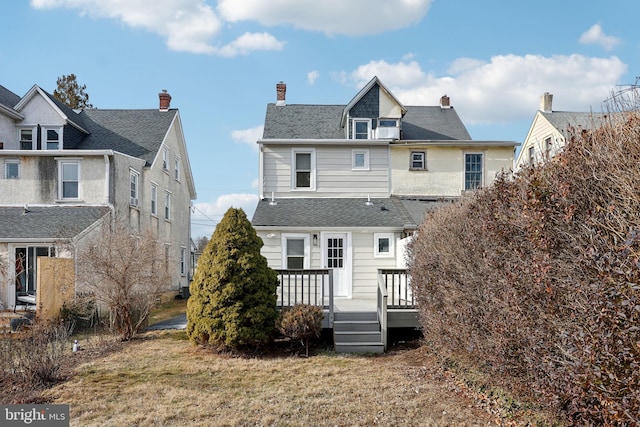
165	100
281	91
445	102
546	102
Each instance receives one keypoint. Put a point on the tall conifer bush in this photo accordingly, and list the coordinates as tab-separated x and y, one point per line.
233	292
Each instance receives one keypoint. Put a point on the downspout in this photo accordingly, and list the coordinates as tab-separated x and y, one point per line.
107	181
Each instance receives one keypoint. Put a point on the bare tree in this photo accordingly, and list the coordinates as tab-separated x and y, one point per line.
71	93
126	274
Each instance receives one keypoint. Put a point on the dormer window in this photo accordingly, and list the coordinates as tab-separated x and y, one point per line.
361	128
26	139
52	136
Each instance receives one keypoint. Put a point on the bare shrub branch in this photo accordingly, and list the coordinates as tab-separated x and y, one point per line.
125	274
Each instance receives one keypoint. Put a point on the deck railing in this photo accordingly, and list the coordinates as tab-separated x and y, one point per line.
313	287
397	283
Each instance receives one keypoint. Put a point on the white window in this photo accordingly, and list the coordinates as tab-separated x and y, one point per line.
68	179
12	169
303	161
165	159
154	199
183	261
52	138
26	139
547	148
531	153
295	251
176	168
134	178
418	160
361	128
360	159
167	205
384	245
473	166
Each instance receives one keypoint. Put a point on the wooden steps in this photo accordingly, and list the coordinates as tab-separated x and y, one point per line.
357	332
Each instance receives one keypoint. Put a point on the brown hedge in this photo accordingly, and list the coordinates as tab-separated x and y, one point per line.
537	277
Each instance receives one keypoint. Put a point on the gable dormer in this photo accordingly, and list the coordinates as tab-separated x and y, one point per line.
374	113
46	123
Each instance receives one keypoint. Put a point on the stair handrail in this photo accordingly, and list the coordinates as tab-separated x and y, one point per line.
383	296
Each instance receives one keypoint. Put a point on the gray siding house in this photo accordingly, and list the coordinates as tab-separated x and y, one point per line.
342	189
63	173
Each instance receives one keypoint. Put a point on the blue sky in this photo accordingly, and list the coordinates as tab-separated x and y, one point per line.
221	60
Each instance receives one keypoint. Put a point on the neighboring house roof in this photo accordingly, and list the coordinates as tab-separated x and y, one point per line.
52	222
8	98
302	121
562	120
390	212
137	133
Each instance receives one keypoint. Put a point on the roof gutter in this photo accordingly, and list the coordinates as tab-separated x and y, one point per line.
57	153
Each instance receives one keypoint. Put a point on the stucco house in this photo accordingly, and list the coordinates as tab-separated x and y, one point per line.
550	129
65	172
342	187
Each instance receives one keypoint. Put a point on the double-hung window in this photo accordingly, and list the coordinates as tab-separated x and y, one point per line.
183	261
295	251
303	161
134	179
361	128
418	160
167	205
176	168
165	159
154	199
473	166
52	138
26	139
68	179
12	169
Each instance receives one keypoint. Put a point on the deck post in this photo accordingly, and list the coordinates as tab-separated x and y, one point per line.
383	296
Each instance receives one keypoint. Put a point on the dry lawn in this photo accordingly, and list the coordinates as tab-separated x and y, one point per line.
161	379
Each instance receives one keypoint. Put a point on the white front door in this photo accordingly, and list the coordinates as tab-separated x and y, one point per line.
337	256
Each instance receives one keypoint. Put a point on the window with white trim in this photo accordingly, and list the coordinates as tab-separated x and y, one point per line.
296	250
167	205
176	168
134	178
303	161
473	165
165	159
26	139
52	137
154	199
68	179
12	169
384	245
183	261
360	160
361	129
418	161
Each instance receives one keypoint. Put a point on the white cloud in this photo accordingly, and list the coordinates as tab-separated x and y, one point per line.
186	25
206	215
506	88
312	76
248	136
595	35
353	17
249	42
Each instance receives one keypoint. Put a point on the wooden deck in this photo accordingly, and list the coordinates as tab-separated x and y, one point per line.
359	325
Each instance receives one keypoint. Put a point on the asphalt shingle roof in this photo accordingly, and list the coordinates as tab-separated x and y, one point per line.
302	121
390	212
51	222
138	133
562	120
8	98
